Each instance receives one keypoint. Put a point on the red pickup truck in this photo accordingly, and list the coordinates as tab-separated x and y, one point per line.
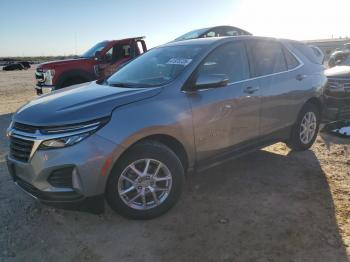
98	62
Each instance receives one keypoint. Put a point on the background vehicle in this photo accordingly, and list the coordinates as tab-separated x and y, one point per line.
183	106
337	92
318	53
17	66
213	32
100	61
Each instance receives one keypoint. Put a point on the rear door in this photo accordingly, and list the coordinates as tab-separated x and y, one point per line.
280	80
226	116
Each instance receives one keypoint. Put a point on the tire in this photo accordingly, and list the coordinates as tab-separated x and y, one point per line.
139	155
299	140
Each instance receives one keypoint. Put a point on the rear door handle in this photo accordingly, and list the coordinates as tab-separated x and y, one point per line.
251	89
300	77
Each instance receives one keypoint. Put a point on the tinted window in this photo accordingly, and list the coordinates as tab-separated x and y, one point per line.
98	47
292	62
192	34
267	57
307	52
229	31
213	33
230	60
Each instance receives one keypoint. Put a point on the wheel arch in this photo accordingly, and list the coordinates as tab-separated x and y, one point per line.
171	142
317	102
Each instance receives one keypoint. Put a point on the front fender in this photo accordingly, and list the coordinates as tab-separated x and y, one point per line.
155	116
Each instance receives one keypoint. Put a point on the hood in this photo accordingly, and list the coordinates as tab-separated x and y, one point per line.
80	103
338	71
53	64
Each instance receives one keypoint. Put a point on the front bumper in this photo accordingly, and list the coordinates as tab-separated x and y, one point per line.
87	162
41	83
40	86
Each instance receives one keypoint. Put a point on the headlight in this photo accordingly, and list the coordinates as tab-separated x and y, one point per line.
48	76
63	141
70	135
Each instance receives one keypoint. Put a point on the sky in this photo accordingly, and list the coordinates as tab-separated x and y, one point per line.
44	27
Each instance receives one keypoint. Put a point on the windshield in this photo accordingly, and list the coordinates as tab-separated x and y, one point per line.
345	61
156	67
92	51
191	35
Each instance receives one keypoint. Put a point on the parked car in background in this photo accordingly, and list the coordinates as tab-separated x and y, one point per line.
337	92
216	31
24	65
182	106
99	62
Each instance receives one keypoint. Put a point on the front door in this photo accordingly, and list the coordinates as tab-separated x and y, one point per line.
225	116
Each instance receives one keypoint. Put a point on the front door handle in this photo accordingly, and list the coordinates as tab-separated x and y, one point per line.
251	89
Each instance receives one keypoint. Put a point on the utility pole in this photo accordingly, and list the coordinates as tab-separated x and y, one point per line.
75	43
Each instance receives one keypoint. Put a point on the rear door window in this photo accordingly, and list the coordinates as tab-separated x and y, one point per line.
266	57
229	59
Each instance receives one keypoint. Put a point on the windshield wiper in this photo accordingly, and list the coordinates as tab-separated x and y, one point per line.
120	84
130	85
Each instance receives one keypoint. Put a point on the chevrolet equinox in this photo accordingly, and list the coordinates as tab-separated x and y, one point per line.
184	106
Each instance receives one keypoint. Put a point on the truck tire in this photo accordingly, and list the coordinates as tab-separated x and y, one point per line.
305	130
146	182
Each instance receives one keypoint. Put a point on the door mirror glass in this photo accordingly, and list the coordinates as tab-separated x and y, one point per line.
205	81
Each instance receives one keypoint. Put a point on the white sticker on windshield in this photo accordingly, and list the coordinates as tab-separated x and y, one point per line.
179	61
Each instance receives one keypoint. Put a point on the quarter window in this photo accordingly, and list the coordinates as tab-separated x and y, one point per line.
230	60
267	57
292	62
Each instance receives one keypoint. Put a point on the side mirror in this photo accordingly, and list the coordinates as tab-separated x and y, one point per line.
205	81
99	55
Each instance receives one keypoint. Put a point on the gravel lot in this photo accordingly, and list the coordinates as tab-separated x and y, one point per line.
271	205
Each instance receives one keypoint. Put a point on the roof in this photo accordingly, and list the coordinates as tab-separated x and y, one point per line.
125	39
213	40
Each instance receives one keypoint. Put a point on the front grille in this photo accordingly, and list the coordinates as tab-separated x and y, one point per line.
24	128
335	83
20	149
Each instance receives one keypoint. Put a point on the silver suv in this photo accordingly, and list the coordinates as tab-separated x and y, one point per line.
180	107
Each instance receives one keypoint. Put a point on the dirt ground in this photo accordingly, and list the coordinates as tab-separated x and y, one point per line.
271	205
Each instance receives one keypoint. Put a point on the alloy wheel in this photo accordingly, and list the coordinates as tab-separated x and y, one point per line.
145	184
308	127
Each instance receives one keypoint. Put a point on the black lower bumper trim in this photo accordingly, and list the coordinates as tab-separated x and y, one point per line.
48	196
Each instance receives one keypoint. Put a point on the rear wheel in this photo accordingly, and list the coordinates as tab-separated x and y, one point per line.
146	182
305	130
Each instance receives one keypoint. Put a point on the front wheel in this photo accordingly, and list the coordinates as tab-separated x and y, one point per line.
146	182
305	130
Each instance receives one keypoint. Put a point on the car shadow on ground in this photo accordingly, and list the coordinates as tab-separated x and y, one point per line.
261	207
